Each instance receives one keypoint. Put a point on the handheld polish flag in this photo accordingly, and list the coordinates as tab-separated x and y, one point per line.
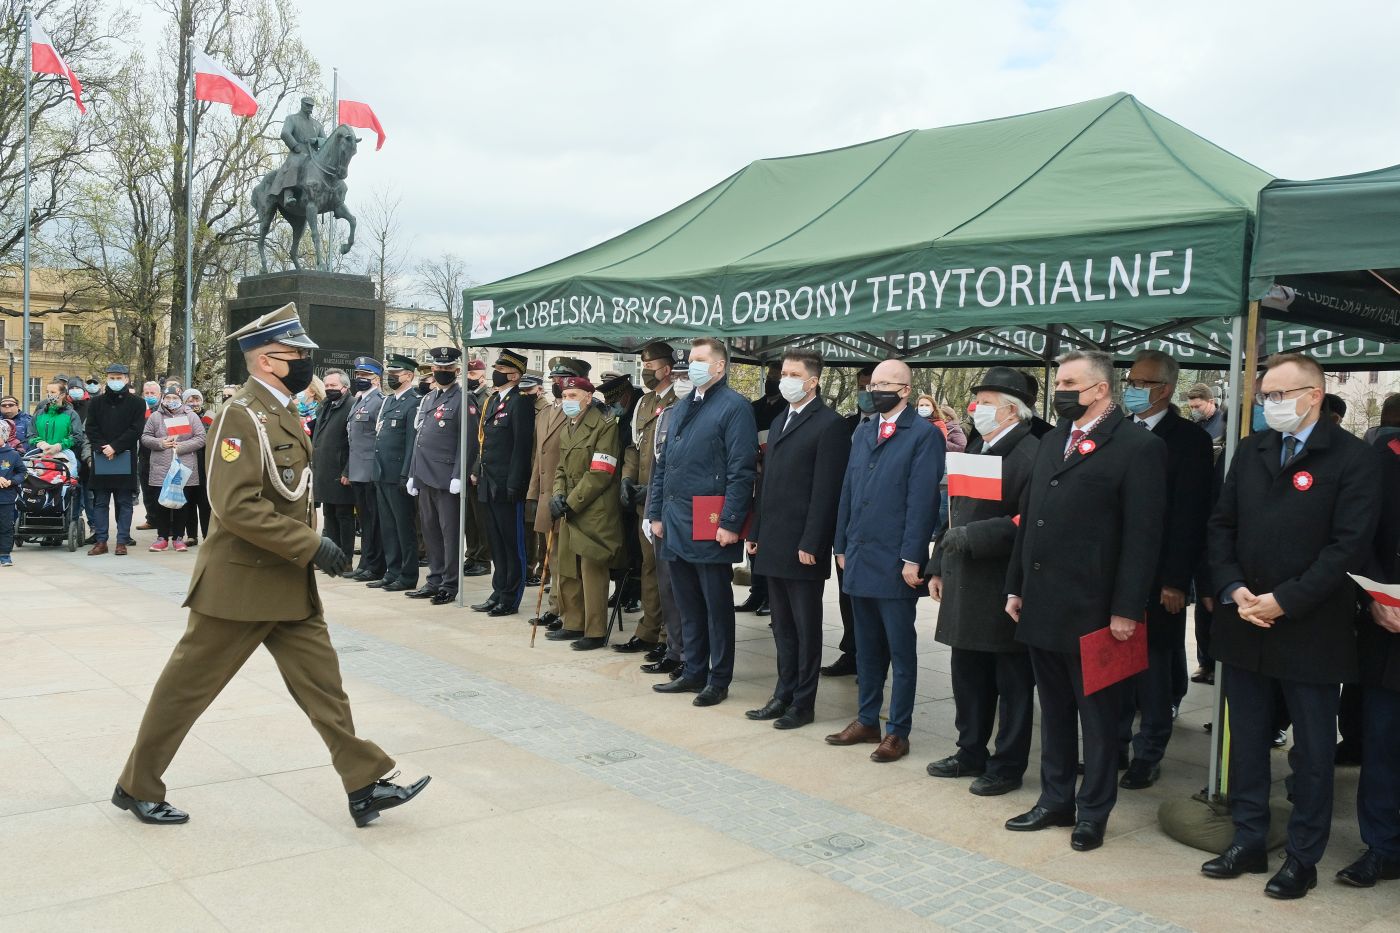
216	84
1387	594
46	60
975	476
178	427
354	111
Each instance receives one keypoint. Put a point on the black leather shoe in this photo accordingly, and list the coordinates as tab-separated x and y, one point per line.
988	786
159	814
443	597
476	570
763	610
632	607
634	645
1087	835
749	605
367	802
555	624
1236	861
710	696
1140	774
364	576
349	575
423	592
501	610
1292	881
543	618
592	643
378	584
1039	818
565	634
1370	868
770	710
679	672
656	654
680	685
952	767
532	581
486	606
663	666
397	587
794	719
844	666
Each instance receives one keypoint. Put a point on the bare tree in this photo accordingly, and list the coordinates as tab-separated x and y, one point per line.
442	281
386	256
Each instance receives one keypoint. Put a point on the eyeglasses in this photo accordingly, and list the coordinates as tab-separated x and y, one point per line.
1143	383
887	386
1283	394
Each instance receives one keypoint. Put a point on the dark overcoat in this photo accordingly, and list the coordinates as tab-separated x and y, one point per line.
1190	460
116	418
1380	650
799	491
330	453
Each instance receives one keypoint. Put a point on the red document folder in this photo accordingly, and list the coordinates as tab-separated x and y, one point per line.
705	512
1105	660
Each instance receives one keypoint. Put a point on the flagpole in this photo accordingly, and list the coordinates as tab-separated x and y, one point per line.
28	80
189	228
335	121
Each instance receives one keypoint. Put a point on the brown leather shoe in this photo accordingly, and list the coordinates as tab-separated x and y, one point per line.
120	550
892	748
98	548
854	734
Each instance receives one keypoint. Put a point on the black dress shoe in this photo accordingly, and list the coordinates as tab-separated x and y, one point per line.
710	696
656	654
680	685
634	645
349	575
770	710
749	605
1292	881
844	666
1140	774
543	618
663	666
160	814
591	643
989	786
1370	868
378	584
367	802
679	672
565	634
443	597
763	610
398	586
632	607
1087	835
486	606
423	592
555	624
952	767
1236	861
475	570
794	719
501	610
364	576
1039	818
532	581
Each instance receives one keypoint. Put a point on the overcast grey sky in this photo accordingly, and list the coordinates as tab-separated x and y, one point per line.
569	122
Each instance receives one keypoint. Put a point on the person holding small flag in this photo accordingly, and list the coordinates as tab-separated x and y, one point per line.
172	430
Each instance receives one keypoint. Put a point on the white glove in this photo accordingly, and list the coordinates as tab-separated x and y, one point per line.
455	487
412	489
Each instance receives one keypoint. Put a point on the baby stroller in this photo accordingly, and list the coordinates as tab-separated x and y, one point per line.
50	511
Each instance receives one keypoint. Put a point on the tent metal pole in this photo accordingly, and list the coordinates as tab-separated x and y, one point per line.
464	477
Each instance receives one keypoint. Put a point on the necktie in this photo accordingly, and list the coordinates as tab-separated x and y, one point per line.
1290	449
1075	436
788	423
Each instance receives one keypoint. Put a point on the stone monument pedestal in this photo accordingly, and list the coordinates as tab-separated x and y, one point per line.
339	311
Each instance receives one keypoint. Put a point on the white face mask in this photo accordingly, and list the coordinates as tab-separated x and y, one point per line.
792	389
925	411
682	387
984	418
1283	415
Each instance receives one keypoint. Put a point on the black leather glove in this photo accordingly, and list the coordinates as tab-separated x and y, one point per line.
330	558
630	493
558	507
954	540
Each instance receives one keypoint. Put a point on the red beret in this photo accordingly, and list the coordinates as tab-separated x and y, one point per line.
576	382
476	366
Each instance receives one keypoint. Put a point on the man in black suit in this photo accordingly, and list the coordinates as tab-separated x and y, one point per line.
1297	513
845	665
506	439
765	408
1148	397
1084	559
794	524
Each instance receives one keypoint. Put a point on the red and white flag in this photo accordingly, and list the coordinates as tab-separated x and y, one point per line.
355	112
216	84
47	61
976	476
1387	594
178	427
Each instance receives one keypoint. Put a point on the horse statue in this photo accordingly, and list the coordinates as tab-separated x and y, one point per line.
319	189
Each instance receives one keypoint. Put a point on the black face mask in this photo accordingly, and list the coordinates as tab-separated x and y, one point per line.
770	388
444	378
473	384
885	401
425	386
650	379
334	395
1067	404
360	384
499	378
864	402
556	391
299	373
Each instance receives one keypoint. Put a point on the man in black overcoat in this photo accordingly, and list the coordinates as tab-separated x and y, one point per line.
1297	513
330	463
845	664
506	434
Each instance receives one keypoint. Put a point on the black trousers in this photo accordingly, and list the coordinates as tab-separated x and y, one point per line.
1203	619
1350	718
371	546
169	523
848	619
981	679
339	522
505	529
705	597
1253	700
797	633
758	588
1064	710
197	519
398	534
1153	692
1378	793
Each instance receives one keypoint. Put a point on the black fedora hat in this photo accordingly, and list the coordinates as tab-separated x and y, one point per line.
1005	379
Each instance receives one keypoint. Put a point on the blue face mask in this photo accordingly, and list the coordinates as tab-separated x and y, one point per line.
152	401
116	385
699	374
75	394
571	408
1136	400
1259	423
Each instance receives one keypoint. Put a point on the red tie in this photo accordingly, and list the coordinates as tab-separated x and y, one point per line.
1075	436
886	430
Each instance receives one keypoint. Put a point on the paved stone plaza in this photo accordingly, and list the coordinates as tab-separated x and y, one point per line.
565	795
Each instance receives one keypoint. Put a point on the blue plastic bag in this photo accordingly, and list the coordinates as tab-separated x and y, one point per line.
172	490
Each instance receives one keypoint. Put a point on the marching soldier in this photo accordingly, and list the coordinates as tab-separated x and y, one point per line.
477	562
506	434
585	504
253	584
549	425
395	427
435	476
364	412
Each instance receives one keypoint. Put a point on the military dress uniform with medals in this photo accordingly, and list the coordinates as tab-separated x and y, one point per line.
254	584
434	472
396	425
506	435
364	415
477	561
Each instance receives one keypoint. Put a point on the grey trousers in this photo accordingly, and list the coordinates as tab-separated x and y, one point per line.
670	613
437	516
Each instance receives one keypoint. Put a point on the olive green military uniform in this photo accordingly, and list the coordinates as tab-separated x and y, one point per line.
590	536
253	585
549	426
637	464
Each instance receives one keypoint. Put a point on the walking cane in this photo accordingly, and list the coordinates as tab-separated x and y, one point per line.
544	578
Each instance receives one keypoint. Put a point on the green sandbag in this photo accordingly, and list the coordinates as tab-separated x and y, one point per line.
1207	825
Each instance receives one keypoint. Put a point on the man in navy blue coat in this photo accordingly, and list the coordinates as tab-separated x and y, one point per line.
711	450
889	504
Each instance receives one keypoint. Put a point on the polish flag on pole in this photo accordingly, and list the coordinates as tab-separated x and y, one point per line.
1387	594
975	476
46	60
215	83
355	112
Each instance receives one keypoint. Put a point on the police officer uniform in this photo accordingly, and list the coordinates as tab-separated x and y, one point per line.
506	434
435	478
364	413
254	584
395	428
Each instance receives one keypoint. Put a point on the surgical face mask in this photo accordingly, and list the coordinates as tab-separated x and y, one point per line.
1257	423
116	385
571	408
864	402
1137	400
360	384
792	388
92	387
172	404
984	418
1197	415
152	401
925	411
1068	405
1283	415
499	378
682	387
699	374
75	394
444	378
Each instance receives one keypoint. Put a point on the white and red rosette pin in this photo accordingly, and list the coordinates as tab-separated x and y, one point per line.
1302	481
1086	447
